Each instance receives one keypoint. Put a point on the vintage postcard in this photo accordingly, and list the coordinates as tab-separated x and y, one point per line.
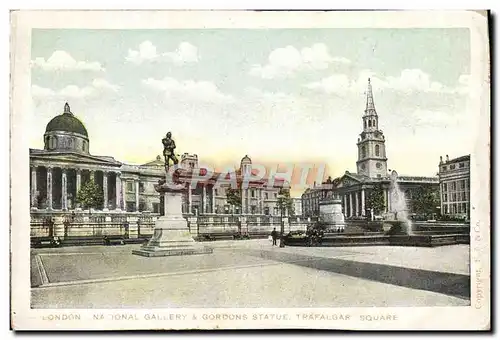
250	170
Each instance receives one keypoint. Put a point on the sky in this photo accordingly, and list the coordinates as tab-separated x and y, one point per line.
278	95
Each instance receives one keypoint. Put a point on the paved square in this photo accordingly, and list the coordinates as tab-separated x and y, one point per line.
251	274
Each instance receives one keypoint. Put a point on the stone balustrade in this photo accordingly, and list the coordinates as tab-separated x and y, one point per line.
83	224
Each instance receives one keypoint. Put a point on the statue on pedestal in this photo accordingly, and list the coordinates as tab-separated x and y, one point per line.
172	235
168	151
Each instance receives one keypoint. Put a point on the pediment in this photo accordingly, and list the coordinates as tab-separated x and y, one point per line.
74	158
347	181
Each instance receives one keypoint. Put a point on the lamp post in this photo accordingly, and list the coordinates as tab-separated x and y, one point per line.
281	198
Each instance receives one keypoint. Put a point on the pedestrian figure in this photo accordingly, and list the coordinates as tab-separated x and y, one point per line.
274	235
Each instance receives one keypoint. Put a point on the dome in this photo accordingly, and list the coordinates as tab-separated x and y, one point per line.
246	160
66	122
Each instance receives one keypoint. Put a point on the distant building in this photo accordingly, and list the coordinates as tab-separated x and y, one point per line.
312	196
297	206
454	184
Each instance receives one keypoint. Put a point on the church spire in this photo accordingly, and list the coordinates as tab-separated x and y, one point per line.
370	105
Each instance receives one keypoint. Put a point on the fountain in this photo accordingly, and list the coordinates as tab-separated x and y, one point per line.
397	218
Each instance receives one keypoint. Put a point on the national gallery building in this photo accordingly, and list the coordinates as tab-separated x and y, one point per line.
65	164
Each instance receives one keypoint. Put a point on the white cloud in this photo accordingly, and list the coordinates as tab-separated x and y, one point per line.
284	62
185	53
336	83
61	60
408	81
101	83
147	52
98	86
205	91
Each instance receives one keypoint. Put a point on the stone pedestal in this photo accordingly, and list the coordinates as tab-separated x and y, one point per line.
171	234
330	213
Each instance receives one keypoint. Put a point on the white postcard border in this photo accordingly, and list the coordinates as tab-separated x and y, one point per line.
476	316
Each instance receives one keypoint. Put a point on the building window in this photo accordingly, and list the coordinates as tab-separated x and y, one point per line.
275	195
377	150
369	123
267	195
363	151
444	168
365	124
130	186
83	146
452	167
130	206
215	192
253	193
156	208
141	187
461	165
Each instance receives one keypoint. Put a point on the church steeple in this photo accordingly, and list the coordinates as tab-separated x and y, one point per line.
372	160
370	105
370	118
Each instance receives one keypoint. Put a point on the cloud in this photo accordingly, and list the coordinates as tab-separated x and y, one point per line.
205	91
63	61
286	61
408	81
336	83
147	52
98	87
185	53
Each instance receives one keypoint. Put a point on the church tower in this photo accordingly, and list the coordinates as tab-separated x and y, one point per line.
372	160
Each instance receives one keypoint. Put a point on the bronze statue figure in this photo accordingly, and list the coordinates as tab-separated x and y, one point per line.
168	151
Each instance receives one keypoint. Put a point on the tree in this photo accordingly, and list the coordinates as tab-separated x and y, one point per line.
424	200
90	195
375	199
285	202
233	197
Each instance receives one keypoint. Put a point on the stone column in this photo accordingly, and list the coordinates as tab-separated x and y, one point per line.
118	188
242	200
49	188
345	204
123	202
64	185
213	200
247	201
356	201
363	208
105	189
350	204
136	195
78	180
190	199
204	199
34	199
259	201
